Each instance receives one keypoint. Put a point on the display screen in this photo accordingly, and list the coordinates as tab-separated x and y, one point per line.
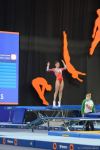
9	67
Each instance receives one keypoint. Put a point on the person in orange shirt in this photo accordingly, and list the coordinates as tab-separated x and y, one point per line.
59	84
96	34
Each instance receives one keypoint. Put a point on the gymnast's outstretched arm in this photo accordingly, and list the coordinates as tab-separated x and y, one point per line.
65	67
48	69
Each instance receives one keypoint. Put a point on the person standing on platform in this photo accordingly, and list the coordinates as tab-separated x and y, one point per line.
59	83
88	107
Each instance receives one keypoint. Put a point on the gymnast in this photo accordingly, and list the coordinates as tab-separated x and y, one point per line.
59	83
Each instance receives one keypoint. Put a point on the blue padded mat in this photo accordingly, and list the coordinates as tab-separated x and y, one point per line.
74	134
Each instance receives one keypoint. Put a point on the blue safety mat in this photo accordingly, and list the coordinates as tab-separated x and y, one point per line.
50	107
72	118
18	116
93	115
74	134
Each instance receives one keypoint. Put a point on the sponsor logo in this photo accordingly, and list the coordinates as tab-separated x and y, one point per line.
15	142
63	146
13	56
31	143
4	141
65	135
10	141
71	147
54	146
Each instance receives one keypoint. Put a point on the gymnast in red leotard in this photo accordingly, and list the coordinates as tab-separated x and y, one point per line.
59	84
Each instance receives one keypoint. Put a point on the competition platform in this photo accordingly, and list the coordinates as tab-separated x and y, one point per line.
52	138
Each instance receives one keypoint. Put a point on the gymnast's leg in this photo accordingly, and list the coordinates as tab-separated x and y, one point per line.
57	85
60	92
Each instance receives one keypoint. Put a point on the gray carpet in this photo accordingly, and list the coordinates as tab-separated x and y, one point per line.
8	147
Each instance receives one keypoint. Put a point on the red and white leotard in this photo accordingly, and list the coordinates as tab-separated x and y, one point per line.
57	72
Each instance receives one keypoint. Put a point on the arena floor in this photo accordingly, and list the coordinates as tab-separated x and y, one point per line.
26	138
